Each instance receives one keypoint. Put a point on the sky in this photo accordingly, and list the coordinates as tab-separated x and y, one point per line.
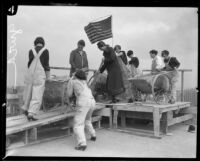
140	29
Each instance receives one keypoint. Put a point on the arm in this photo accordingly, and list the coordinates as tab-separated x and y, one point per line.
125	58
71	60
109	58
70	88
86	63
31	57
177	63
46	64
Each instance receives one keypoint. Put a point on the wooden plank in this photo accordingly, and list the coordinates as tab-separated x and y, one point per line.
180	119
138	132
134	108
22	119
103	112
156	122
37	123
139	115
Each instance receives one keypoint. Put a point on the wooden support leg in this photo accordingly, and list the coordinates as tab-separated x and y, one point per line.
115	118
30	135
123	119
164	126
111	119
7	141
156	122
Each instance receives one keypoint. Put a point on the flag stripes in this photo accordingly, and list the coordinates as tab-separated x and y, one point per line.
101	30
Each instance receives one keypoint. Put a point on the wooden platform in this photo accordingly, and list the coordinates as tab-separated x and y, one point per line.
17	124
162	115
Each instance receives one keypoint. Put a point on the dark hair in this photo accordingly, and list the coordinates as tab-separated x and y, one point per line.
39	40
81	75
101	44
165	52
81	42
129	53
117	46
153	52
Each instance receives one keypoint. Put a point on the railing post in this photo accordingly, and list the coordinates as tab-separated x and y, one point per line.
182	84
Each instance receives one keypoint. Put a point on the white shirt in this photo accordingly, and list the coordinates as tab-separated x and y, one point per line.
157	63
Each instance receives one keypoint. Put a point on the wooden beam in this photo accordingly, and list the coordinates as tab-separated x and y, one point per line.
180	119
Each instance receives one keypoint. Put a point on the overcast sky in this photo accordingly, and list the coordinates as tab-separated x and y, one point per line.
140	29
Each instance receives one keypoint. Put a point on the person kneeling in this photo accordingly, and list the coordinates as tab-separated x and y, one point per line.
85	104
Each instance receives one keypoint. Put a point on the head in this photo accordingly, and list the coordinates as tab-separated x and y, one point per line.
101	45
153	53
39	41
165	54
130	53
117	48
81	44
80	75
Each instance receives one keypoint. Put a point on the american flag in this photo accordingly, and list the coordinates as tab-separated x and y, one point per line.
99	30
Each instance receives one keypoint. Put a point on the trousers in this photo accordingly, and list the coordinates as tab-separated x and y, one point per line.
83	120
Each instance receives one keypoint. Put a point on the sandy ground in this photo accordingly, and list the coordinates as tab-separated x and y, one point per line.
181	144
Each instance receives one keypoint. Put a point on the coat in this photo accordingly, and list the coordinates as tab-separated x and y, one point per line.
114	81
77	61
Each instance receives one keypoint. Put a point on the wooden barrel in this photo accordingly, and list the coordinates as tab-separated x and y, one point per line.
149	84
55	92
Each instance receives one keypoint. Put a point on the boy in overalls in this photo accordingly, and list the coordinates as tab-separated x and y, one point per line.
85	104
38	71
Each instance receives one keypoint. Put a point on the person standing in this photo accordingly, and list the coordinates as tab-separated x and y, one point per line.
133	64
78	58
171	65
85	104
114	83
157	62
120	53
122	59
38	71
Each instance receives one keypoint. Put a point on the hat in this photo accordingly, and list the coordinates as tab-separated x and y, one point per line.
81	42
80	75
100	44
39	40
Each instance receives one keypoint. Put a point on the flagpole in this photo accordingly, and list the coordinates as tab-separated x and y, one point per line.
112	31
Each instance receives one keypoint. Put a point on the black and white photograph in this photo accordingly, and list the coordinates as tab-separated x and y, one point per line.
101	81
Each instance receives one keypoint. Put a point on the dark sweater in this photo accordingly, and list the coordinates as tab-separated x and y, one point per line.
134	61
44	58
173	62
123	57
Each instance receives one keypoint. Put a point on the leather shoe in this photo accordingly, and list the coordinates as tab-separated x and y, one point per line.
31	118
93	138
81	147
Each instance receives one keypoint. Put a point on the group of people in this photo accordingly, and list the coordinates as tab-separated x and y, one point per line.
118	68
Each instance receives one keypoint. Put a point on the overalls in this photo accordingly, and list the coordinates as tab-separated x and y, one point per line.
173	78
85	104
34	84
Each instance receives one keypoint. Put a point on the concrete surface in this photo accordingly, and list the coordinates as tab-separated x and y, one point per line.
181	144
